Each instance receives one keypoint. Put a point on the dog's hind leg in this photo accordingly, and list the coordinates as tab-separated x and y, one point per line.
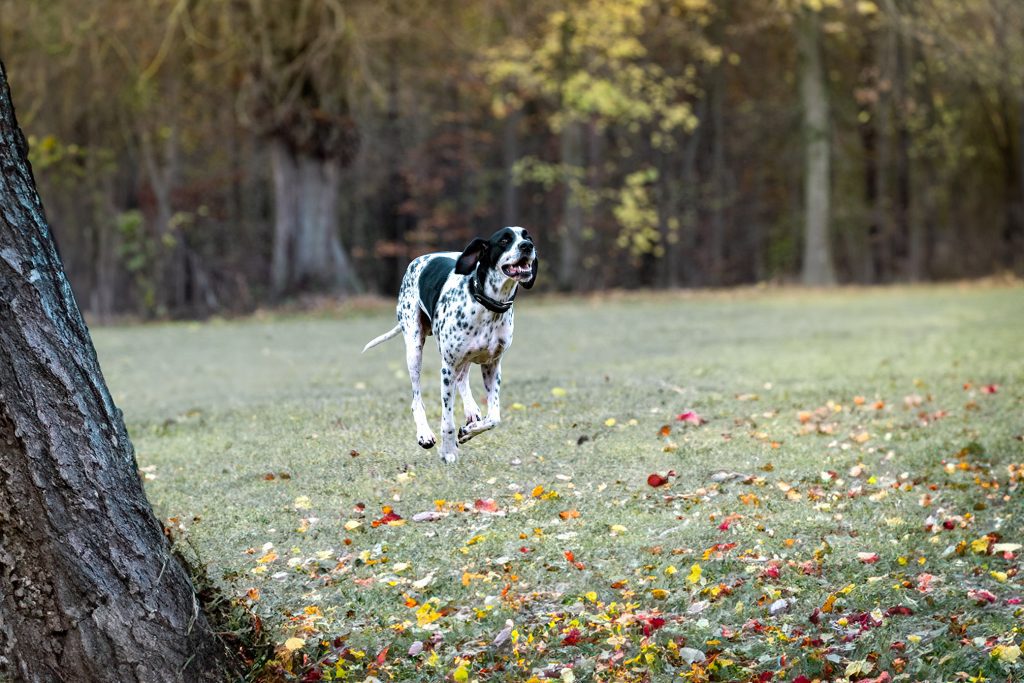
415	336
471	409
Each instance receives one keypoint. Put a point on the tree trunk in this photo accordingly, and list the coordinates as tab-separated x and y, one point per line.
308	255
716	265
572	217
89	589
817	265
510	155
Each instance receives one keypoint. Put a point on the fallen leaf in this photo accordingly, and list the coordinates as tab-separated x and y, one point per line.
293	644
569	514
690	417
656	480
488	505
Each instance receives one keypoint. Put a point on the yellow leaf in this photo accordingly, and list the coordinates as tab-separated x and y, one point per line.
694	575
999	576
1007	653
461	675
618	529
293	644
980	545
352	524
302	503
591	596
610	422
537	491
671	569
558	392
659	593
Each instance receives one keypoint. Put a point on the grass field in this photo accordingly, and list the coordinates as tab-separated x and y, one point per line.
852	507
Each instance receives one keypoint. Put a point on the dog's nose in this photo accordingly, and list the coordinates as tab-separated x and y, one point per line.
526	247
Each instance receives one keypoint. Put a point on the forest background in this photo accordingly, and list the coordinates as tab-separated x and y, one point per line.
207	156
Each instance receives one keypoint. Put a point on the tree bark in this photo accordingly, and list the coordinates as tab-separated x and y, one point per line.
509	156
571	230
89	588
817	265
307	252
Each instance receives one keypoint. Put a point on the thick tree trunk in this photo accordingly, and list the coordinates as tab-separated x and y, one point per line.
307	255
89	589
817	265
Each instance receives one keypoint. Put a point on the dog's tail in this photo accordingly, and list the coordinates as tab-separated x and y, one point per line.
383	338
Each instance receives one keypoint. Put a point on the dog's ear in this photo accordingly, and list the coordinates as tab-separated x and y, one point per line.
533	274
470	256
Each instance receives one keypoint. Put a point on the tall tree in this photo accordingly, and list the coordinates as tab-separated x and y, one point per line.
89	588
298	97
817	264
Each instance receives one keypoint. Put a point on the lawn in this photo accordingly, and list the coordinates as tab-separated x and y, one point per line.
843	497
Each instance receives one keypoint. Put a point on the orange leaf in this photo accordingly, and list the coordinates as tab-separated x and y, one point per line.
569	514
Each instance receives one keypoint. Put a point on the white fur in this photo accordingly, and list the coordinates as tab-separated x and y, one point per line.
478	336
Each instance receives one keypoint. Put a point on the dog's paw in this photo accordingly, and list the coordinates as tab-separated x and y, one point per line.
468	432
450	458
426	441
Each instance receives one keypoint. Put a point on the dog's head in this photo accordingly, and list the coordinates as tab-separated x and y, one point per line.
510	251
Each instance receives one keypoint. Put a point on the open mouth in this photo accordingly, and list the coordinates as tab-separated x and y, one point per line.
521	268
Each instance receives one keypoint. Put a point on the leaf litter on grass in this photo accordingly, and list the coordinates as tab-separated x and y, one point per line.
824	601
860	526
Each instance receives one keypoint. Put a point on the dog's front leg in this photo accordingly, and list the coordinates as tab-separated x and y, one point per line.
449	446
492	385
472	410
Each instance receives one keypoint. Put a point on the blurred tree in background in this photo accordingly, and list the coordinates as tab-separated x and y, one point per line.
212	155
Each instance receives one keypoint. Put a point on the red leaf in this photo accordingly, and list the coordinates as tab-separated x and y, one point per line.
569	556
899	610
652	624
982	596
690	417
656	480
382	655
868	558
572	637
485	505
990	389
388	517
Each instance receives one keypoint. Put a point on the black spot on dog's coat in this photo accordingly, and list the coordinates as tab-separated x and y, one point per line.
432	280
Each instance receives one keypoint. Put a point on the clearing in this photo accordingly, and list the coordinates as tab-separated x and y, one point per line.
852	506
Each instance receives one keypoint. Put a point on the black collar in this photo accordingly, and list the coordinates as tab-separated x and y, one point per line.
477	292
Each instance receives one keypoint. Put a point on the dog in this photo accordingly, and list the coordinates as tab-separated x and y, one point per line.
466	301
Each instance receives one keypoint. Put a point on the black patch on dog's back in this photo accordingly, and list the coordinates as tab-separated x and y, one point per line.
432	279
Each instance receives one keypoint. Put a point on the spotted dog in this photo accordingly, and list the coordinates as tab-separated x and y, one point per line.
464	300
